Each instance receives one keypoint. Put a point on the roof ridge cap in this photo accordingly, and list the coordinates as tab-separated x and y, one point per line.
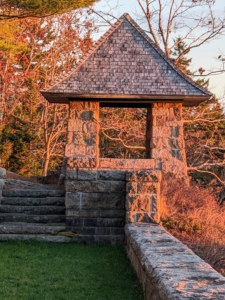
126	16
84	58
163	55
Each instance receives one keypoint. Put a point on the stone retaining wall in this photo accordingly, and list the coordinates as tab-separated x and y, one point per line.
169	270
100	202
95	204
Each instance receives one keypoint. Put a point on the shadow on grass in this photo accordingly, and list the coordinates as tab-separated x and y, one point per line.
34	270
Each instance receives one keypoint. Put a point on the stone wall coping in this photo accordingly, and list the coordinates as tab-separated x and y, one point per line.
144	176
85	161
167	268
126	164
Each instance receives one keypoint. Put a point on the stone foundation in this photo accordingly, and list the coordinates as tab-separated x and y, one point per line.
95	204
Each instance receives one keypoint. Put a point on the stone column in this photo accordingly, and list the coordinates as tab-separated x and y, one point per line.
167	138
83	135
143	196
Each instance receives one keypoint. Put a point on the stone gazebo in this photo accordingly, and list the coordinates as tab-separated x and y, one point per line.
123	69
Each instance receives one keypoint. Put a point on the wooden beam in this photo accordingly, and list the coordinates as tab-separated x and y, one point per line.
112	100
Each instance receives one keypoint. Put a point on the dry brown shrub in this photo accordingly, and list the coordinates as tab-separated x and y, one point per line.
192	214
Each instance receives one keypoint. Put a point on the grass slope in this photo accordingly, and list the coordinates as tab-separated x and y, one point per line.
32	270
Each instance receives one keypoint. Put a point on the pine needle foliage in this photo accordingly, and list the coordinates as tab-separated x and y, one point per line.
17	9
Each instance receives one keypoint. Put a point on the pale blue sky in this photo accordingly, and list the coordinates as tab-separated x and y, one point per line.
203	56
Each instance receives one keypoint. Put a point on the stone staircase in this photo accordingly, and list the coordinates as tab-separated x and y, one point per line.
33	214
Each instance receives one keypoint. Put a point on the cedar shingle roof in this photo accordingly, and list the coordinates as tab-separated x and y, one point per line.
125	65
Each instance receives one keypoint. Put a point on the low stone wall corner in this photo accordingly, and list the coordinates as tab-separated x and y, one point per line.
169	270
143	196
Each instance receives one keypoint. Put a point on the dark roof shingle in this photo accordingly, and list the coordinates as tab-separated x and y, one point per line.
125	61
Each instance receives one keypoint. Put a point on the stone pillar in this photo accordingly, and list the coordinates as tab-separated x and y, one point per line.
167	138
143	196
83	135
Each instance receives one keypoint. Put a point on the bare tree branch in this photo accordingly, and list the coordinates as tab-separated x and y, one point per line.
208	172
166	18
122	142
204	120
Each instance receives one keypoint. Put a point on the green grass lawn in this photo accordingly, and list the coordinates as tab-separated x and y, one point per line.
32	270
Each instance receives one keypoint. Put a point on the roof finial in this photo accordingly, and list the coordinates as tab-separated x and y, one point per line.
127	16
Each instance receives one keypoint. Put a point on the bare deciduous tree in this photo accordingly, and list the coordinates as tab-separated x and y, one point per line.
194	21
43	56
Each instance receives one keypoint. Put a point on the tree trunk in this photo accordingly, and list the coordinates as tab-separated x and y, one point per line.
45	167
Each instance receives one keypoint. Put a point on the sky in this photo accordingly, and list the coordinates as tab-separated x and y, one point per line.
204	56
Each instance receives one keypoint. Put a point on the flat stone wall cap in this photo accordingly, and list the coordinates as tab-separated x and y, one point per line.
144	175
2	173
81	161
126	164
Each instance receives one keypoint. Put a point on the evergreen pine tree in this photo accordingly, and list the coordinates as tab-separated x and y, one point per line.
17	9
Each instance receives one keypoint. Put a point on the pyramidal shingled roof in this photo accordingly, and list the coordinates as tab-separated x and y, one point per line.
125	64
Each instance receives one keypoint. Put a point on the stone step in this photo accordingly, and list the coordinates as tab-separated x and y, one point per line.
89	239
22	217
36	237
33	210
58	201
33	193
30	228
